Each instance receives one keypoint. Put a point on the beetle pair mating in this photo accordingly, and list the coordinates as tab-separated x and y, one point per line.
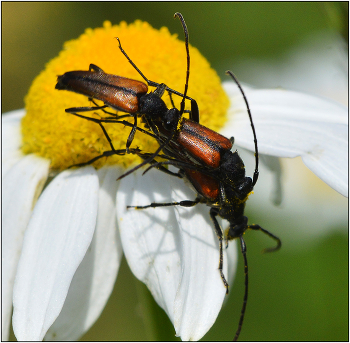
215	172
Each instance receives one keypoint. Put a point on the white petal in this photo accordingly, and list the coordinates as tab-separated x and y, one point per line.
309	209
290	124
150	237
94	279
21	186
58	236
232	262
201	292
274	166
173	250
11	139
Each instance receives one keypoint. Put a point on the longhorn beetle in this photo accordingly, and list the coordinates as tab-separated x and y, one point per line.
125	95
203	156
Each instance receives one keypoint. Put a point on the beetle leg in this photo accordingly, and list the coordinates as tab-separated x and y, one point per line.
213	213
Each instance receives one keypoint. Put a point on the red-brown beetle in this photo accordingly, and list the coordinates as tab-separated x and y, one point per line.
123	94
203	156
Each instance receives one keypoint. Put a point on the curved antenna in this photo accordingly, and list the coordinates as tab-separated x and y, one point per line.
149	82
167	141
184	26
245	298
256	171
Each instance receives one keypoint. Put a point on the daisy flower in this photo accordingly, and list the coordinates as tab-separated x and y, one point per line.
65	230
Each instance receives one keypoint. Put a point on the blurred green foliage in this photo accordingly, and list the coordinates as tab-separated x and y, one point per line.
296	295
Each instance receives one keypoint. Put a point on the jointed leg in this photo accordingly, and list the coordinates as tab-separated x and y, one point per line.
218	231
184	203
105	154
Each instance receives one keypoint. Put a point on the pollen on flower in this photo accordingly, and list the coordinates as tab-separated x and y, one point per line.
65	139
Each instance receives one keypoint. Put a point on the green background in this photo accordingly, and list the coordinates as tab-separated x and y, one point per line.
298	294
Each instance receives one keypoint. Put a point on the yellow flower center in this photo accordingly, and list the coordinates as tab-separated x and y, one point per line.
66	140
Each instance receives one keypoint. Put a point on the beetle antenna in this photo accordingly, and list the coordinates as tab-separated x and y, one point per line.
256	171
245	298
184	26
